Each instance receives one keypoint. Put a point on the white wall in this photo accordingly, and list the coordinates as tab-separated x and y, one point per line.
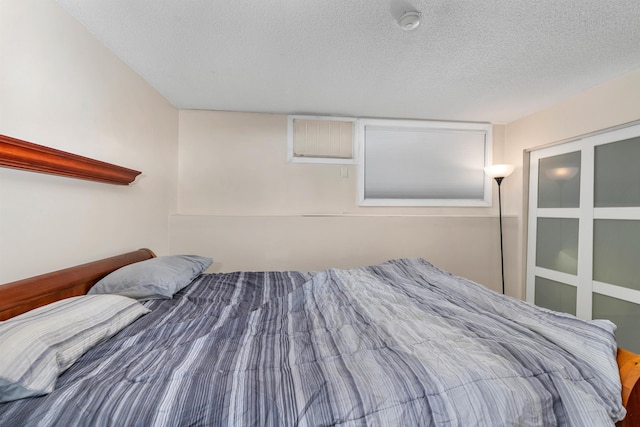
611	104
242	203
61	88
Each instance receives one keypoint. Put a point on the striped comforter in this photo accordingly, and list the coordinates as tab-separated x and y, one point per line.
398	344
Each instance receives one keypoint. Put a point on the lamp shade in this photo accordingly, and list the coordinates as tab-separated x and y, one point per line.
499	171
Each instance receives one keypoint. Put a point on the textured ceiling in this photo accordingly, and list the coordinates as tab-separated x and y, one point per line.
477	60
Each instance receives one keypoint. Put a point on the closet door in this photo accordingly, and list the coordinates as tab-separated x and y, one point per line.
616	236
584	230
556	222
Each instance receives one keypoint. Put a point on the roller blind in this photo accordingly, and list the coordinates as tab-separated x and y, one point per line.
416	164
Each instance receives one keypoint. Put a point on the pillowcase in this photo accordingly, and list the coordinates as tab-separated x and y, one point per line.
156	278
39	345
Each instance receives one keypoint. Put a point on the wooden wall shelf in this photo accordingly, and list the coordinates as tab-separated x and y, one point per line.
18	154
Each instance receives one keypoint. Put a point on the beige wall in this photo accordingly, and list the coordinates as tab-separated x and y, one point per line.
467	246
59	87
242	203
235	163
239	200
611	104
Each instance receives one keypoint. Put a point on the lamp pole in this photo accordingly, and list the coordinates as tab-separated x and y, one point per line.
500	172
499	181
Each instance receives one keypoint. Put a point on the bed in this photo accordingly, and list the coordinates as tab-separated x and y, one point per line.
399	343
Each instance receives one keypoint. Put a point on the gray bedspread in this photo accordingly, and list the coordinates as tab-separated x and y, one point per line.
398	344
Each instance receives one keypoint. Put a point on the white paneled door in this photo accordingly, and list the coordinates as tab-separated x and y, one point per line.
584	230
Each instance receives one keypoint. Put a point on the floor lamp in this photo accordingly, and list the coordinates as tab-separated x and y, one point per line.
500	172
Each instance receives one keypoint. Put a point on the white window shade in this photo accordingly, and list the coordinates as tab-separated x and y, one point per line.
411	163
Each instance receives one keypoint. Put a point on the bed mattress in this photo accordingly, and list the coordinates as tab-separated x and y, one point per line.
399	343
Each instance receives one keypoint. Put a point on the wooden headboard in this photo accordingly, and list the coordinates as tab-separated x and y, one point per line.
24	295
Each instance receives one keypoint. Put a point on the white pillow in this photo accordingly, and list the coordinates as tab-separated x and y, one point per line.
155	278
39	345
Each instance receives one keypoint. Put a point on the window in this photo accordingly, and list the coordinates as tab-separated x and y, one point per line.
314	139
422	163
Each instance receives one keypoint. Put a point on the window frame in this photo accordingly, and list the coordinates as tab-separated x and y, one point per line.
430	126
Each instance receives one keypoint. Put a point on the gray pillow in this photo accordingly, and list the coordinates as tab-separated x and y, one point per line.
156	278
39	345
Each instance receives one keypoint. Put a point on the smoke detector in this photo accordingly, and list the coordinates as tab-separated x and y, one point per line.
409	20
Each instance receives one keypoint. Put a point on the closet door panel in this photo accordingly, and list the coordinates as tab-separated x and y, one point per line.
559	181
626	316
557	244
617	174
616	252
555	295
